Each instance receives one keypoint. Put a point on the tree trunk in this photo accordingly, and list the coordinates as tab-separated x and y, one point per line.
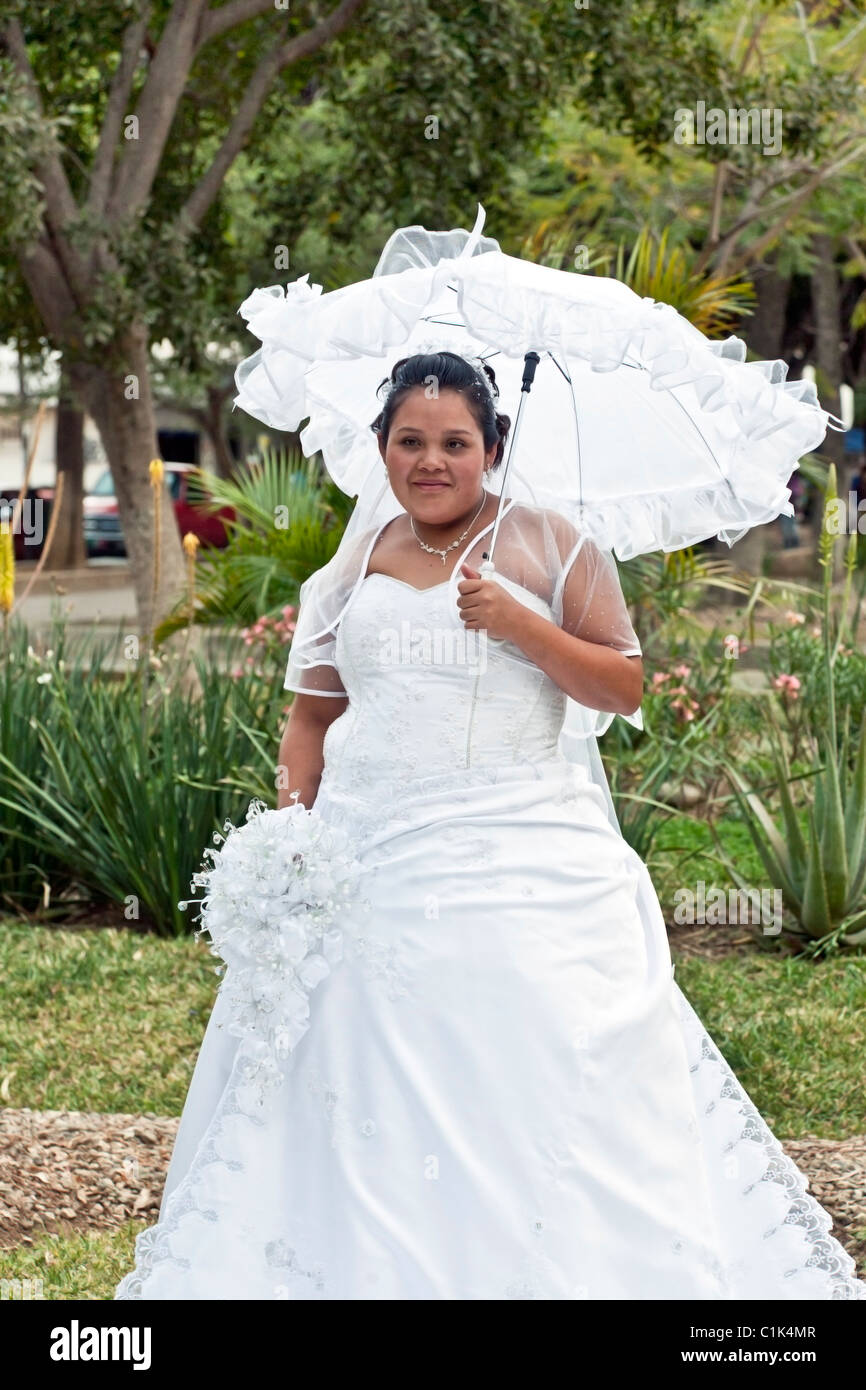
119	399
826	308
68	549
215	425
746	555
765	330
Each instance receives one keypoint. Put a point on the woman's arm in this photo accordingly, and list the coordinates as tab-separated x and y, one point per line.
590	672
301	757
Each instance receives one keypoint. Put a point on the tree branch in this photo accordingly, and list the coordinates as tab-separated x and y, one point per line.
793	202
60	205
116	109
755	35
214	22
156	110
857	252
807	35
49	286
852	34
752	208
718	200
281	56
251	103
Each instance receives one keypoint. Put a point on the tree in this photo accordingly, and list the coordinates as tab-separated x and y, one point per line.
157	103
74	251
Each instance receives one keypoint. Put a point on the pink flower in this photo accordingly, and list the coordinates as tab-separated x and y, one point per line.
684	671
683	709
794	618
788	685
659	677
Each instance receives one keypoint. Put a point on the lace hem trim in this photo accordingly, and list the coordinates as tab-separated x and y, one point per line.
803	1220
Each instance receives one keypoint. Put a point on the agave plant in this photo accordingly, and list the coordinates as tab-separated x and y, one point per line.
822	873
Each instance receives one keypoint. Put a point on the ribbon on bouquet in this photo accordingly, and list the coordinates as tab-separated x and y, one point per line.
273	898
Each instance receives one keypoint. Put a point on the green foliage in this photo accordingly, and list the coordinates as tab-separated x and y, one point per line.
822	873
289	520
122	799
693	684
712	303
634	787
663	591
797	651
462	91
27	698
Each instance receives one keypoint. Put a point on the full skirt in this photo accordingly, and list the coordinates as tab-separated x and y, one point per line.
502	1092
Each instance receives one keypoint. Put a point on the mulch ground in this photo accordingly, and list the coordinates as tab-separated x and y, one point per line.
64	1171
68	1170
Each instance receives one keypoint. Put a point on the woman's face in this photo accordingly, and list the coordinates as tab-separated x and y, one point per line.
435	456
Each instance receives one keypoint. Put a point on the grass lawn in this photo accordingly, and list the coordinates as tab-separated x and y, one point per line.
101	1020
684	847
79	1265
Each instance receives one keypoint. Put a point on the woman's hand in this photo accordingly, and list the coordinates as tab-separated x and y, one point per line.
590	672
485	604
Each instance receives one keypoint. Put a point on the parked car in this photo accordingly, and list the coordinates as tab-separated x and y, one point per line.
103	533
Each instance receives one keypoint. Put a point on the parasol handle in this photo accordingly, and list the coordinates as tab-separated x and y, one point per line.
530	363
486	568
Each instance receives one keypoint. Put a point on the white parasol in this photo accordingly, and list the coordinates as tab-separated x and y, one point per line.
640	430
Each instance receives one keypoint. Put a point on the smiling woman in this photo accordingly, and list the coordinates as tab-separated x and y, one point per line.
495	1089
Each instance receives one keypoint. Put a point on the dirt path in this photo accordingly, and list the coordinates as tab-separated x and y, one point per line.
64	1171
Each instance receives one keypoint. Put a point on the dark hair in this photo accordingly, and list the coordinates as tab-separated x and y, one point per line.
453	373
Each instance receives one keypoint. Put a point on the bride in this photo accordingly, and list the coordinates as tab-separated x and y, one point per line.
501	1093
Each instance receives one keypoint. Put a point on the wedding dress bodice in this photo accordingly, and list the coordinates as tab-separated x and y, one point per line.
429	696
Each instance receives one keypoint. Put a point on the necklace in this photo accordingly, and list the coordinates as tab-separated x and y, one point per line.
443	553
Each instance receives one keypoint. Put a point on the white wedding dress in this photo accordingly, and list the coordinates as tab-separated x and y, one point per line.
502	1092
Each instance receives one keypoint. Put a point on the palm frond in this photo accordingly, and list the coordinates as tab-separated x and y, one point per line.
290	517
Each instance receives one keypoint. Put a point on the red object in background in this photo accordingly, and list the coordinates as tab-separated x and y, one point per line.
102	529
208	526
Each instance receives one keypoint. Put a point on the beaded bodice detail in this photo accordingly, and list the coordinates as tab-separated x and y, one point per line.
428	696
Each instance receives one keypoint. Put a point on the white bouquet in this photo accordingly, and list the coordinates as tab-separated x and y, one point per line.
274	893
